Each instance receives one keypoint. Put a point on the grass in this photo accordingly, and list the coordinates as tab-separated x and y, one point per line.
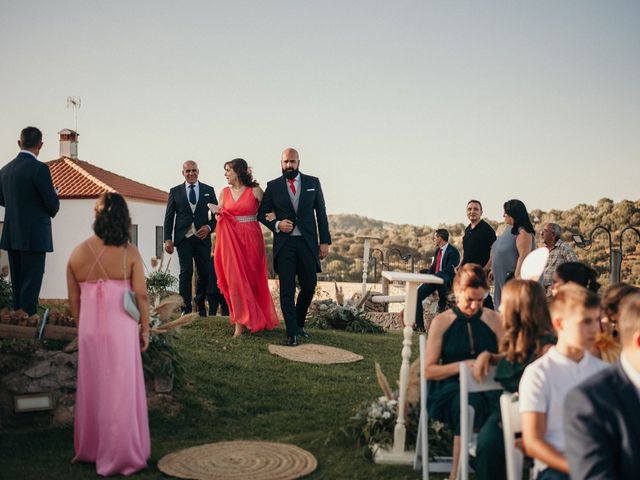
237	390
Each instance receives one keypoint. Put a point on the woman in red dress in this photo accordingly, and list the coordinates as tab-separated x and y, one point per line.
240	258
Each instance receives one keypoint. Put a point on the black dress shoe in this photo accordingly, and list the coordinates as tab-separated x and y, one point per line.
292	341
303	333
202	313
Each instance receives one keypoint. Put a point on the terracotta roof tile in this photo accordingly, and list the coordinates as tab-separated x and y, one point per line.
80	179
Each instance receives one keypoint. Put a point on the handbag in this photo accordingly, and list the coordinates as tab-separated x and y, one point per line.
130	302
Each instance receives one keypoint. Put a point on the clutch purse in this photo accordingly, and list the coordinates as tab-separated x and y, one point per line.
130	303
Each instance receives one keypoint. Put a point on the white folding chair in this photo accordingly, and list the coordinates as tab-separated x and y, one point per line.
441	464
469	385
511	424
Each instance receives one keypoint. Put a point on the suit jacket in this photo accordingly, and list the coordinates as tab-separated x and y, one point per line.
602	427
311	217
30	201
179	217
449	262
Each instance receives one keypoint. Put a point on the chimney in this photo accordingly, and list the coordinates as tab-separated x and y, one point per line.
68	143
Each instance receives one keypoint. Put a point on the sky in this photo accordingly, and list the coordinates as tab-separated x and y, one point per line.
403	109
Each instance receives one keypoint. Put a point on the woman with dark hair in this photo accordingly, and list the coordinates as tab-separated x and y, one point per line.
528	333
111	427
576	272
511	248
459	335
240	256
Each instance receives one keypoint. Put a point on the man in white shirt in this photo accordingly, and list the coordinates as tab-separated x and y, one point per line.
545	383
601	420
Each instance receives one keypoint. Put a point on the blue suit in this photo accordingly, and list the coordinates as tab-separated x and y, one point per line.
450	260
602	427
30	201
296	255
177	221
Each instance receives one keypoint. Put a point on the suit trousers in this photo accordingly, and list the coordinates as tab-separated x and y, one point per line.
424	291
296	259
214	295
189	250
27	269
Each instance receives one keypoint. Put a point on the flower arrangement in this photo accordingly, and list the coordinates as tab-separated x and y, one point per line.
159	280
328	314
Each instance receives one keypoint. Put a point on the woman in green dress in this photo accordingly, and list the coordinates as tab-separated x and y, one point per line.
528	334
459	335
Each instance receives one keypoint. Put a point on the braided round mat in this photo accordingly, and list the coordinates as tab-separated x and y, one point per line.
238	460
313	353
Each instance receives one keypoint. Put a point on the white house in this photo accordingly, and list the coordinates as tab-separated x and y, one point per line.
79	184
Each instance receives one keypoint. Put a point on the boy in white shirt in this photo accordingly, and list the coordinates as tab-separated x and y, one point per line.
545	383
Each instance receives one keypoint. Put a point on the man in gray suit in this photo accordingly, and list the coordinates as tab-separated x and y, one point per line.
601	421
30	201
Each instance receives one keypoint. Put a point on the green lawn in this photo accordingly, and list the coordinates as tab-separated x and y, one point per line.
237	390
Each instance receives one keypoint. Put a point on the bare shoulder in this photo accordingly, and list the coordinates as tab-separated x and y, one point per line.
441	322
492	318
258	193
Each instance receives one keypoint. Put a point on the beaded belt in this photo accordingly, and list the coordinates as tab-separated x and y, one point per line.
246	218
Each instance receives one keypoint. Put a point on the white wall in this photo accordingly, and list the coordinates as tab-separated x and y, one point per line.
72	225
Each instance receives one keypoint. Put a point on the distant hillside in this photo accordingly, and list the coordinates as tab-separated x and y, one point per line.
345	258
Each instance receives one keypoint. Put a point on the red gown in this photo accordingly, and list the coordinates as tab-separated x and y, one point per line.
241	263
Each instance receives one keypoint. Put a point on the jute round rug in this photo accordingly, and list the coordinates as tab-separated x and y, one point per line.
313	353
238	460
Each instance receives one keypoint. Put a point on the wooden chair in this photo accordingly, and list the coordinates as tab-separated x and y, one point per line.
421	460
469	385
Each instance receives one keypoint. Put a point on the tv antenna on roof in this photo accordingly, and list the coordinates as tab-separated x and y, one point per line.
74	102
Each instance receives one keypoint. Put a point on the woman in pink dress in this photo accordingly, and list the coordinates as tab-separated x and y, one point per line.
111	426
240	258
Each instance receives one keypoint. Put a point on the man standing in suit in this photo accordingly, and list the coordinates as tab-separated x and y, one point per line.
601	422
188	228
30	201
300	216
446	259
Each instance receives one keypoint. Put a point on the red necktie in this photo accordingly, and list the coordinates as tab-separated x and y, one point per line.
438	257
292	185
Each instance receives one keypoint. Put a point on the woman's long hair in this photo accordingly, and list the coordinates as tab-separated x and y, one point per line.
526	317
517	210
112	221
243	171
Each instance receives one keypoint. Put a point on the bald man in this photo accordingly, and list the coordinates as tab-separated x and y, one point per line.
187	228
300	218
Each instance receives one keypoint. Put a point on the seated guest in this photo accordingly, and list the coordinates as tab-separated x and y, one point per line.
446	259
459	335
575	272
477	240
559	252
546	382
601	420
527	335
607	345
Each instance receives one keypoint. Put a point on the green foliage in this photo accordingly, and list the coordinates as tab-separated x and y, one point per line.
6	294
328	314
374	423
159	282
163	359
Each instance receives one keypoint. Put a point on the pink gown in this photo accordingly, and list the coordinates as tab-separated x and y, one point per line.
111	427
241	263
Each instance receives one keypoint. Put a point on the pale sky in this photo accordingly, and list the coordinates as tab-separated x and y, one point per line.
404	109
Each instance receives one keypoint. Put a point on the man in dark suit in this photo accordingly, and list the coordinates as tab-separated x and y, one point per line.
188	228
30	201
300	216
445	260
601	420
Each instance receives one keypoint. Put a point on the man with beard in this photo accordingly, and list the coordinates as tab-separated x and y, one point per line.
300	217
477	241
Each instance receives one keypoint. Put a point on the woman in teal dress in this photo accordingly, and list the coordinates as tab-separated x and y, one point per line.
459	335
528	334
